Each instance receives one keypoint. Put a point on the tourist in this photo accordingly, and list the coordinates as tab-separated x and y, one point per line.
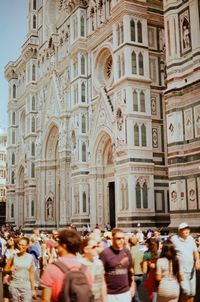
137	258
117	262
10	251
68	245
149	268
189	261
91	260
168	274
21	269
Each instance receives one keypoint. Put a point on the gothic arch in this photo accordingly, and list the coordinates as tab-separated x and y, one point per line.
52	130
20	175
102	147
51	143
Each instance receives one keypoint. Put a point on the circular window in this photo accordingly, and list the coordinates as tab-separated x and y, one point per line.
103	69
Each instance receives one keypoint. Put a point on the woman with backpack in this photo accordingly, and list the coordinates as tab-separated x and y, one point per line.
168	274
66	278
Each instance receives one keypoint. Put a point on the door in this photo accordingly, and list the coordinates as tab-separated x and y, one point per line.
111	186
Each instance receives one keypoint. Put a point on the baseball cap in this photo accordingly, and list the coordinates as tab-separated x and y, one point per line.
183	225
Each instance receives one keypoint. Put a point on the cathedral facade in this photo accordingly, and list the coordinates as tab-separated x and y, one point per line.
103	115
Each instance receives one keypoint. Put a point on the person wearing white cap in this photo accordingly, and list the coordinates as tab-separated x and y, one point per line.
189	261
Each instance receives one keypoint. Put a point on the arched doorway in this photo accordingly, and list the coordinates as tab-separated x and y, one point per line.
52	178
105	180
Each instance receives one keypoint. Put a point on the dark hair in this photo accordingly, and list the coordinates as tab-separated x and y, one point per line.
71	239
84	243
153	248
115	231
14	239
169	252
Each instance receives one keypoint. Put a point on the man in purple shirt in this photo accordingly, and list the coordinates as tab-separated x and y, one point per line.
118	269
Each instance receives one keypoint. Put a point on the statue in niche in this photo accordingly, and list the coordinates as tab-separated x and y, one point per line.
119	119
186	37
185	31
49	209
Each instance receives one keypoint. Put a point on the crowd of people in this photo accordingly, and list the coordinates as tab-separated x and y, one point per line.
111	265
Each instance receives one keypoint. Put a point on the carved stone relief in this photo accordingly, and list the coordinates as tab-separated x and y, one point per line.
197	120
188	124
155	137
177	195
191	189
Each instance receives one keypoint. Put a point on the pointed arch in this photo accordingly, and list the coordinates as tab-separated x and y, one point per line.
138	196
122	64
33	72
33	103
83	93
141	64
83	152
134	62
33	124
75	26
51	140
13	137
34	4
14	91
34	22
144	135
132	25
32	208
142	102
33	148
139	31
145	196
84	202
135	101
83	123
119	67
12	177
82	26
32	170
13	118
83	64
13	159
136	135
12	212
75	93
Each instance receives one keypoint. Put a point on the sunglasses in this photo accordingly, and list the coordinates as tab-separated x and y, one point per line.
119	238
94	247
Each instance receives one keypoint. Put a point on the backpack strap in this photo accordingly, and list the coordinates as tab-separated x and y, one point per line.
63	267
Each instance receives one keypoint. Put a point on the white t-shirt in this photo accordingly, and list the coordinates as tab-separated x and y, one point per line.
185	249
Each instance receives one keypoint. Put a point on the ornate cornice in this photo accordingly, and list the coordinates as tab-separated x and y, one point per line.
10	71
70	5
30	48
